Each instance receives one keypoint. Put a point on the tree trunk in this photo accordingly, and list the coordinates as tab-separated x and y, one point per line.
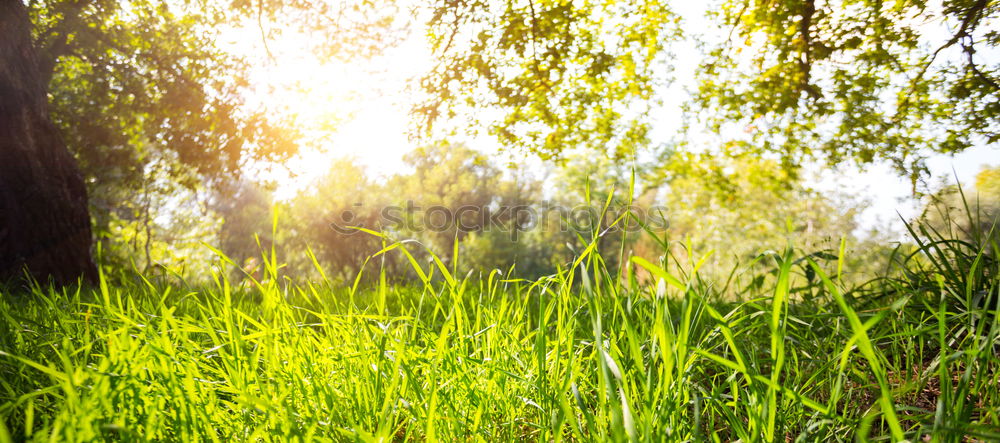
44	223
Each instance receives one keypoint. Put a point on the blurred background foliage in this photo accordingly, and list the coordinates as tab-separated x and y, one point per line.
731	216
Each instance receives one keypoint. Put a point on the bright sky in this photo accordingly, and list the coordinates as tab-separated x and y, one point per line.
360	110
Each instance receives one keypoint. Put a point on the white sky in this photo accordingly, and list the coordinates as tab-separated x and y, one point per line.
361	110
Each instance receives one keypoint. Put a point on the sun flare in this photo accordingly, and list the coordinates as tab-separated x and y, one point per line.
357	108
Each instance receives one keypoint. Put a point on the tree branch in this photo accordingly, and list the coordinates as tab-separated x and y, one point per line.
969	22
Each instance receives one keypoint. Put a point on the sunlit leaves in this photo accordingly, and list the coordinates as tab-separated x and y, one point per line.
854	81
544	75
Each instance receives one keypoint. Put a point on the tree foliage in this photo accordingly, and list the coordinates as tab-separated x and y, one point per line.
148	91
134	80
851	80
129	77
553	73
735	210
323	217
836	81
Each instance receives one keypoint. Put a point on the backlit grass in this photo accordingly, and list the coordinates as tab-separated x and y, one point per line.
650	353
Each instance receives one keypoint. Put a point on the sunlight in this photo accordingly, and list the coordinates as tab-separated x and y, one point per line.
356	109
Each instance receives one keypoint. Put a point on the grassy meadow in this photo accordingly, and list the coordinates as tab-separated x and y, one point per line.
783	349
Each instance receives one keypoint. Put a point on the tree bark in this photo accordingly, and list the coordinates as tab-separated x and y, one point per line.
44	223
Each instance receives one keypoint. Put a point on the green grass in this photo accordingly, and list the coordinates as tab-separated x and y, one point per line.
781	351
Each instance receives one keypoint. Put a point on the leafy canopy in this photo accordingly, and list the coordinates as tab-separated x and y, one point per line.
836	81
154	102
138	80
854	80
552	73
143	81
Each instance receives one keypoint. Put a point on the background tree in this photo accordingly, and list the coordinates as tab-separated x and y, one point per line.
246	210
523	239
321	218
737	209
590	181
163	224
443	198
